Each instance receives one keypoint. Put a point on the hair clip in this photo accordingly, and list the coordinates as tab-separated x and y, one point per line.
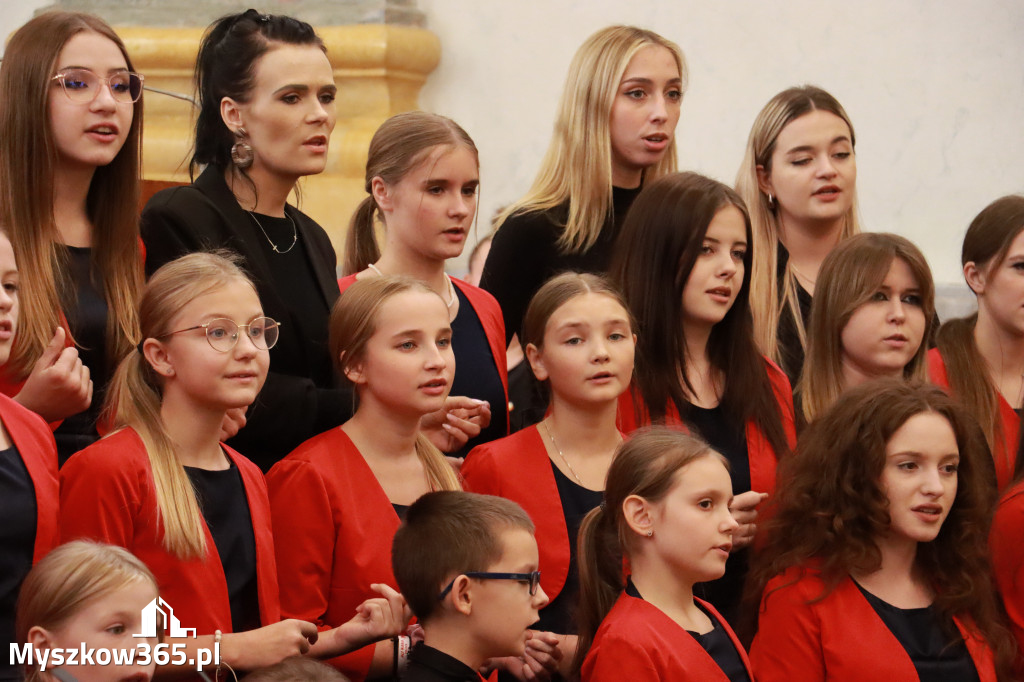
603	506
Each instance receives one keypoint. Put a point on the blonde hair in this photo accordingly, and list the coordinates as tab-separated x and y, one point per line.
850	275
400	144
68	579
767	300
352	324
136	392
578	164
28	161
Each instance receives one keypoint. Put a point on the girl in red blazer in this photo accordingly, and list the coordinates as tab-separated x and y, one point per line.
1008	558
422	177
164	487
684	264
663	487
338	498
28	472
981	357
579	340
875	565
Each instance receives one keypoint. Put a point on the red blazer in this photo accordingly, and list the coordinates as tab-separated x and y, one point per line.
837	638
334	525
35	444
1008	561
517	467
489	313
107	494
761	457
1005	453
637	641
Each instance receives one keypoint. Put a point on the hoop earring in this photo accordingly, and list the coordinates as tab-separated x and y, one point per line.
241	150
771	200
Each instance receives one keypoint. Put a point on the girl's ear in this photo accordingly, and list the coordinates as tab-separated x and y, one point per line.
353	372
381	193
155	353
975	277
536	362
638	515
764	180
39	637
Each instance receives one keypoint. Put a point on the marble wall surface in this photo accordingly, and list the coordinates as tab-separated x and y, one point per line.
935	91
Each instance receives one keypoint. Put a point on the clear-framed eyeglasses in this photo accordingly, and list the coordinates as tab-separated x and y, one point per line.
223	334
83	86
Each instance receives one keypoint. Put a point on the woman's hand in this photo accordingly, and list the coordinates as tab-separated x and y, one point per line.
59	385
234	421
453	425
541	658
376	619
744	510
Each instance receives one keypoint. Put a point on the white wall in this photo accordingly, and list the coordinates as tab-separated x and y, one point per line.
935	91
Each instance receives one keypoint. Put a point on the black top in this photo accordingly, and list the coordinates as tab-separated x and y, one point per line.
301	397
401	510
791	352
476	375
17	543
427	664
86	313
717	643
935	647
524	254
221	496
731	441
559	615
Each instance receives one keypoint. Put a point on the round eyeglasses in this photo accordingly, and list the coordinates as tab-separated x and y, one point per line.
83	86
222	333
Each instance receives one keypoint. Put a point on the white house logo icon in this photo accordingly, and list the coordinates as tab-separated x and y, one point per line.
158	612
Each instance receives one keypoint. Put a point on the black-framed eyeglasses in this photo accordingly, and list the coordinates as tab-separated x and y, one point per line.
83	86
532	578
222	333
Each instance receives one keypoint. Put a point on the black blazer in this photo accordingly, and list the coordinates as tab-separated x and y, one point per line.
295	403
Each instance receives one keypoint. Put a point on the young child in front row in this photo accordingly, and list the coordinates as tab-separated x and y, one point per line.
666	510
467	566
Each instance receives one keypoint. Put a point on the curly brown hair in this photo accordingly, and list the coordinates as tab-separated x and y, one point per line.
830	507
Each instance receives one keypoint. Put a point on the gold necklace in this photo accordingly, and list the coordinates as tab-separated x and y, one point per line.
572	471
295	233
812	280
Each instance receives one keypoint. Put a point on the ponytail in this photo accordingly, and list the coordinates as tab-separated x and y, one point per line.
440	473
361	247
599	557
133	401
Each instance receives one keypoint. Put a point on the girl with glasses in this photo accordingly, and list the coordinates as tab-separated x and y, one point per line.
338	499
666	511
164	486
71	116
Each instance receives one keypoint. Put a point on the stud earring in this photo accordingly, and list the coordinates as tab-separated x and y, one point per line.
241	150
650	533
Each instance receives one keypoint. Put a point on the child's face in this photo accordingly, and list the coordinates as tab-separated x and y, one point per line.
504	609
108	622
697	508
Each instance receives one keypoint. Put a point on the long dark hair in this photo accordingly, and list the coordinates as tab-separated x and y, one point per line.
830	507
226	67
664	231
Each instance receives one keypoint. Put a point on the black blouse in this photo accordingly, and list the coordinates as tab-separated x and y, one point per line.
225	508
86	313
791	352
476	374
938	654
559	615
730	440
17	543
717	643
427	664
